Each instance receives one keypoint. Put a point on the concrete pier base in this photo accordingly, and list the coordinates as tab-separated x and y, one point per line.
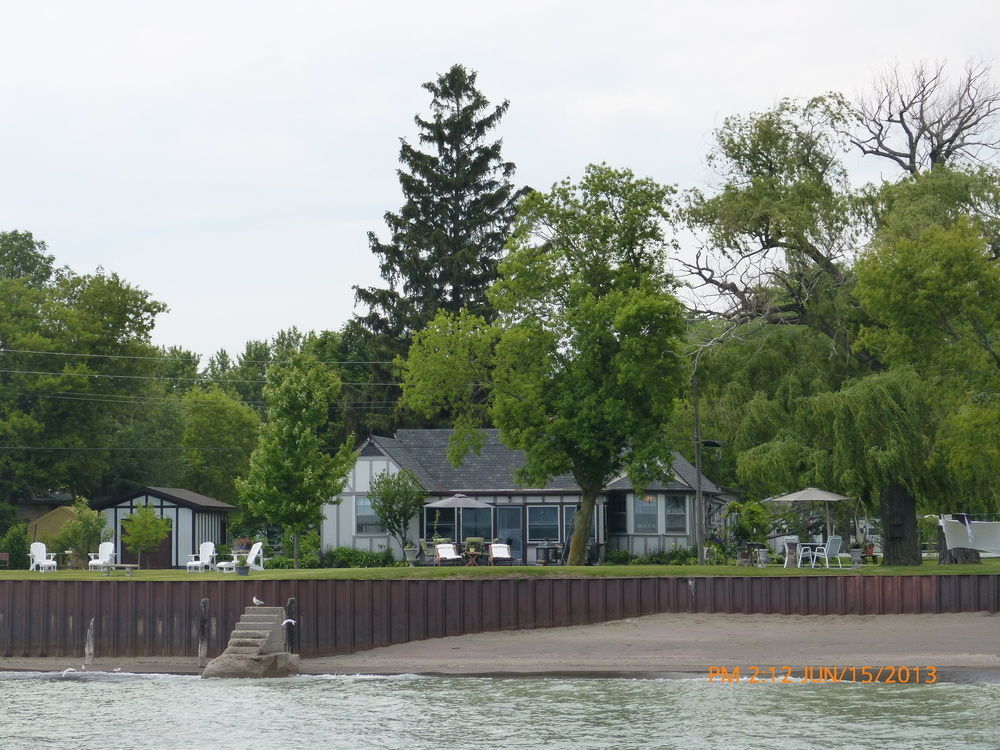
256	648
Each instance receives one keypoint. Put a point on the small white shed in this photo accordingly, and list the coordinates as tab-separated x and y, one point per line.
194	519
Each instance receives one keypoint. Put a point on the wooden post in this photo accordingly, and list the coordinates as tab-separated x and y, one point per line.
203	633
291	630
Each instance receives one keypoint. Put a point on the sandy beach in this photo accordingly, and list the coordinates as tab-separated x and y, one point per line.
959	645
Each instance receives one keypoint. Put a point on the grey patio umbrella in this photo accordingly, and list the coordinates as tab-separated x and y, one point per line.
810	495
458	501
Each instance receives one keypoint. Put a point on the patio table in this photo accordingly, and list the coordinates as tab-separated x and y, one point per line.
472	557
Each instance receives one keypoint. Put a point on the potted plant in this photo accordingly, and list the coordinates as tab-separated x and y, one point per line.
410	550
242	569
242	543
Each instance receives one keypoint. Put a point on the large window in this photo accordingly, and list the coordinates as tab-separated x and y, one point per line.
477	522
644	511
676	515
569	511
365	520
440	522
543	523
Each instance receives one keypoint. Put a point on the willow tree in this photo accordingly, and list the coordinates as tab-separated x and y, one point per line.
581	368
291	477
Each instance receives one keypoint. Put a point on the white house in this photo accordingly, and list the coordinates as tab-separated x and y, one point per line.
656	517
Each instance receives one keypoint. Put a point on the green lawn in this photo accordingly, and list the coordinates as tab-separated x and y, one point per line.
988	566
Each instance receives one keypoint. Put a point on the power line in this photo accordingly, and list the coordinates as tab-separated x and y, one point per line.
193	358
162	377
116	398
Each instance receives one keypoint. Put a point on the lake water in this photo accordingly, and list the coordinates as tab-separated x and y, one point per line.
101	710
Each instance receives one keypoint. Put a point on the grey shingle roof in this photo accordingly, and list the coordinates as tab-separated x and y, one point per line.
183	497
492	470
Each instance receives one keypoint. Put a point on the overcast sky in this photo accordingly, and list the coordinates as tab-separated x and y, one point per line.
230	157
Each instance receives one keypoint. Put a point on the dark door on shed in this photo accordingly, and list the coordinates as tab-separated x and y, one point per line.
158	559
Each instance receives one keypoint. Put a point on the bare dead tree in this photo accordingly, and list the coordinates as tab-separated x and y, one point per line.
920	120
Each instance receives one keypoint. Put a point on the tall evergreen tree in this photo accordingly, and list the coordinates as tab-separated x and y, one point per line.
447	238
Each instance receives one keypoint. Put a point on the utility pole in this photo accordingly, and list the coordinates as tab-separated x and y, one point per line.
699	500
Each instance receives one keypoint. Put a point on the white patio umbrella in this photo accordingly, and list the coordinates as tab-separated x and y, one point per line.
810	495
458	501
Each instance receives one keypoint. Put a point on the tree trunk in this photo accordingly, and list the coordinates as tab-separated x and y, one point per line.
582	521
900	541
295	550
957	556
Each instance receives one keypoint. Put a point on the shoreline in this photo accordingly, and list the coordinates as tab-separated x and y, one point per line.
960	647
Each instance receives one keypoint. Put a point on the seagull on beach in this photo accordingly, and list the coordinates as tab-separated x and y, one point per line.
288	621
256	602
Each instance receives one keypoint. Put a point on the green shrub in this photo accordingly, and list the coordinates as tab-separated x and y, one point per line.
308	548
348	557
618	557
15	542
279	562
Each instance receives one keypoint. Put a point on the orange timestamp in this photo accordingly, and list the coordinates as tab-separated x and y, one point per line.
817	675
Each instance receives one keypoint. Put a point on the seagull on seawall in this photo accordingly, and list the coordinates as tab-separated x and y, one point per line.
256	602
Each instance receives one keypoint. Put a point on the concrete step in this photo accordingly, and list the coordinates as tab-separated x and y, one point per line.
245	650
264	611
251	632
235	640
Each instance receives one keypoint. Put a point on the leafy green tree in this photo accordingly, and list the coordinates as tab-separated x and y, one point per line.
83	532
396	499
220	433
15	542
73	366
581	368
144	531
290	476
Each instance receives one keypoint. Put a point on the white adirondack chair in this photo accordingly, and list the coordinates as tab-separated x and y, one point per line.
202	560
40	558
254	559
104	556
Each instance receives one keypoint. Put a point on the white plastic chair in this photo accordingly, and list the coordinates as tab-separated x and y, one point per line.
254	559
104	556
828	551
40	558
445	553
202	560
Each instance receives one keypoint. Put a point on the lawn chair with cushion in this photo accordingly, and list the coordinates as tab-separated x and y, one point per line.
104	556
40	558
500	553
446	553
204	559
426	551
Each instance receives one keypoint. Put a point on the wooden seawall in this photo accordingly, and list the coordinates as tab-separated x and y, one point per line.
159	618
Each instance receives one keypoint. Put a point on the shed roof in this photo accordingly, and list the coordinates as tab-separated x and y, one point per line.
182	497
